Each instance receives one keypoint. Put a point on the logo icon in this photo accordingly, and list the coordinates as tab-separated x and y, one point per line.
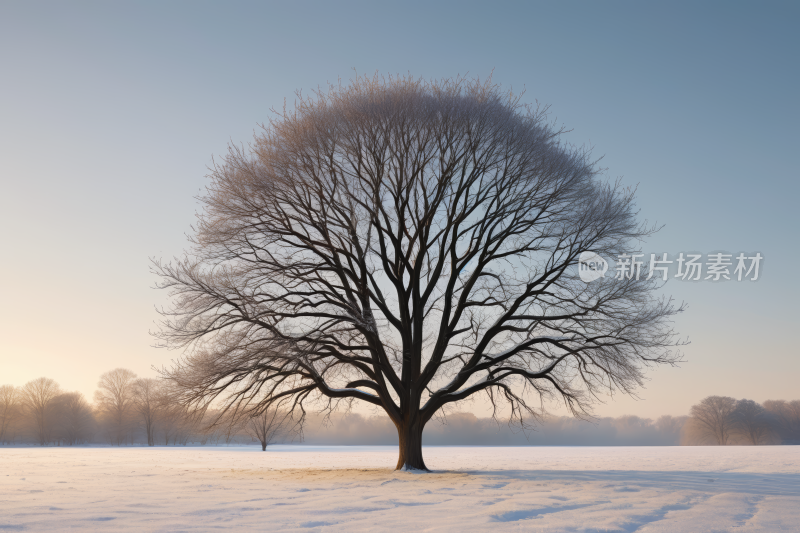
591	266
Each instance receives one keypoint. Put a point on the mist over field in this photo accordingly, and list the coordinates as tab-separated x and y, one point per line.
466	429
131	411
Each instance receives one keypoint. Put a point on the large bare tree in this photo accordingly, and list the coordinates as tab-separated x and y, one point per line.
410	244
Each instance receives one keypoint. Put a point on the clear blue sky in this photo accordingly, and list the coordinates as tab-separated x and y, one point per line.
110	113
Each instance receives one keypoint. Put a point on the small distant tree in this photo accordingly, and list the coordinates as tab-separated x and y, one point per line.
272	426
114	398
176	422
210	430
751	422
170	415
74	418
10	412
187	428
712	420
146	404
671	427
169	424
411	244
38	398
786	419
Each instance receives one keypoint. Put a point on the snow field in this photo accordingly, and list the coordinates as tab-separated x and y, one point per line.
306	488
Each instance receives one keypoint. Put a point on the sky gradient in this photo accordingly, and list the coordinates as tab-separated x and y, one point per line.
111	112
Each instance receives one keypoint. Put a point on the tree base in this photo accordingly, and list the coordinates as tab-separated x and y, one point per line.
412	470
410	459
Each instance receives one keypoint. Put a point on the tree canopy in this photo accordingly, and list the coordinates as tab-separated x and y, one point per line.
409	244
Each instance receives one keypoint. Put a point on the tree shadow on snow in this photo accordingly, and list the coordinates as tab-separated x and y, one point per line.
633	480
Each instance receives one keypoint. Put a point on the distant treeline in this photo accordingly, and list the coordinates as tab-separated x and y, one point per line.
140	411
722	420
467	429
714	421
126	411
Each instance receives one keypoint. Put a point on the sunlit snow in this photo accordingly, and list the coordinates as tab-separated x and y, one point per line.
308	488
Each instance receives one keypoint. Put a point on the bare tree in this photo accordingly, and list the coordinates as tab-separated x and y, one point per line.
671	427
74	418
751	422
176	421
114	398
10	411
712	419
146	403
786	417
272	426
186	426
212	428
38	400
410	244
170	414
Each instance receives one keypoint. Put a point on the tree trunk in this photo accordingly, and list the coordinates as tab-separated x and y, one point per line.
263	446
410	438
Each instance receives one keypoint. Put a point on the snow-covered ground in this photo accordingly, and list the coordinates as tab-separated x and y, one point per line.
305	488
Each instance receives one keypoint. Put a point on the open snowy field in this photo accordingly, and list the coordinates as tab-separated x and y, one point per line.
305	488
